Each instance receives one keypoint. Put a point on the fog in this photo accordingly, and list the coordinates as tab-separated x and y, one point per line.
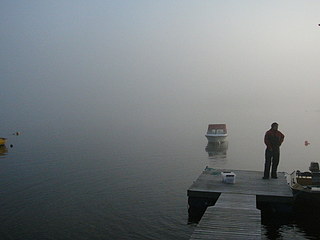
167	67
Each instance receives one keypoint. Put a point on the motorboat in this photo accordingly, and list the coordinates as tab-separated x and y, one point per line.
3	150
305	186
216	133
3	141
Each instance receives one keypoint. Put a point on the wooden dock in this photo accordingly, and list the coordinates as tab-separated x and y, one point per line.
235	209
234	216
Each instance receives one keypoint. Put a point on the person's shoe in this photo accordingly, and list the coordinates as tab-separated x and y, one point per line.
265	178
274	177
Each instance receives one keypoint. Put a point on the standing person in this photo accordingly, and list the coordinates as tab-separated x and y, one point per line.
273	139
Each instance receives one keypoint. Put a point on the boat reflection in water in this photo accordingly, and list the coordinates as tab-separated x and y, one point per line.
217	150
3	150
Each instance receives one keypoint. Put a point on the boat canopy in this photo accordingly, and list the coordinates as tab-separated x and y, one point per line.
217	128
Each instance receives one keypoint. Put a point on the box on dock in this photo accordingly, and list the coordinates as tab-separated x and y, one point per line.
228	177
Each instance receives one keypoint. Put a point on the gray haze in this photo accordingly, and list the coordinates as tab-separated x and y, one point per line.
158	69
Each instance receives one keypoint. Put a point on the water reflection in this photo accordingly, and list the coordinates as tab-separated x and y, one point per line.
217	150
296	225
308	226
3	151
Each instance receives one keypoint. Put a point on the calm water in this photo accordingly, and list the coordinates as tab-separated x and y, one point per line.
126	184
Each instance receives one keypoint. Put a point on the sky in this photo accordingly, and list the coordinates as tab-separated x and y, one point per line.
164	64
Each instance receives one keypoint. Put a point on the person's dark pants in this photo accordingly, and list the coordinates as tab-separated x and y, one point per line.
271	161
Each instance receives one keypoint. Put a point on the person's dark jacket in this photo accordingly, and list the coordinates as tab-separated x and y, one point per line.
273	139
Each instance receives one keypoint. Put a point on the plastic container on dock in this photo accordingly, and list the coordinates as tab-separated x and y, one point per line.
228	177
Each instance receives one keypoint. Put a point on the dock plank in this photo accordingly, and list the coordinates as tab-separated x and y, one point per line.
234	216
247	182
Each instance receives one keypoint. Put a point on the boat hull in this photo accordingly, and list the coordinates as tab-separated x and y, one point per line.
3	150
3	141
216	138
299	194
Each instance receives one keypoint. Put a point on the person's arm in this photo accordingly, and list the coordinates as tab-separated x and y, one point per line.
267	141
281	138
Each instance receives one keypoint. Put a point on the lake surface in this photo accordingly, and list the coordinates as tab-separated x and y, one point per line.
113	99
129	184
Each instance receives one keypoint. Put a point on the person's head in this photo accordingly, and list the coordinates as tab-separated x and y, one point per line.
274	126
